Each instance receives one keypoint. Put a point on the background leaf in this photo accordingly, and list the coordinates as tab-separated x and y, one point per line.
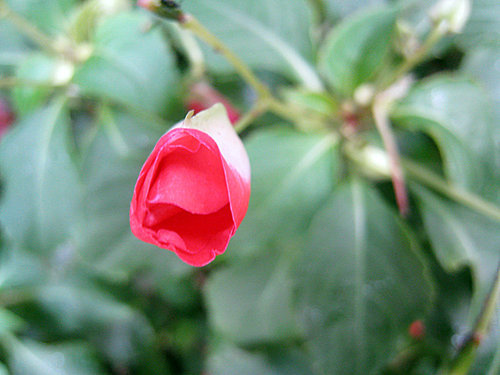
462	238
32	358
456	113
360	284
227	360
48	15
252	302
483	26
266	34
41	193
292	175
129	65
355	49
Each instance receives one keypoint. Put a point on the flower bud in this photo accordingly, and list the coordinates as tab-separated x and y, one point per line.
6	117
193	190
416	330
451	15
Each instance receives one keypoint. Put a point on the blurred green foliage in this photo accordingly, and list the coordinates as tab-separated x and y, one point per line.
323	277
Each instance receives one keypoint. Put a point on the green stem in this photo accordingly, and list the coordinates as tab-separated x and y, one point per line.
189	22
435	35
320	11
8	82
30	30
257	110
380	115
465	357
193	52
463	197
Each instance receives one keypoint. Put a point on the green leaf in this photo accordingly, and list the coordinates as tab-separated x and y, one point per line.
292	174
361	282
356	48
9	322
37	68
115	328
230	360
343	8
271	35
48	15
462	238
39	204
31	358
251	302
14	46
129	66
105	240
483	27
14	262
482	65
455	112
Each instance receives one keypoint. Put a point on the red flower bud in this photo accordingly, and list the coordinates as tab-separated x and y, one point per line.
6	117
193	190
416	330
203	96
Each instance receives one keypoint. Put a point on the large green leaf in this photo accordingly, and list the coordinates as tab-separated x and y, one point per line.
229	360
266	34
110	169
129	65
9	322
343	8
251	302
33	358
455	112
482	65
14	46
14	262
356	48
38	208
79	308
361	282
292	174
462	238
483	27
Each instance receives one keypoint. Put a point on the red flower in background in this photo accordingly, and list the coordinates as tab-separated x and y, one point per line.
193	190
203	96
6	117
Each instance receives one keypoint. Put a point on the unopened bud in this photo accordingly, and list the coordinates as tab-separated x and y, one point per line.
63	73
451	15
364	94
6	117
372	161
416	330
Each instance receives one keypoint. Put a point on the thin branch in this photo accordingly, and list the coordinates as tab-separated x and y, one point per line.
380	115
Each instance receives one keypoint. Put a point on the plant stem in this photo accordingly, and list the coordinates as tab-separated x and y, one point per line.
380	115
189	22
30	30
463	197
465	357
319	8
435	35
257	110
8	82
193	52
